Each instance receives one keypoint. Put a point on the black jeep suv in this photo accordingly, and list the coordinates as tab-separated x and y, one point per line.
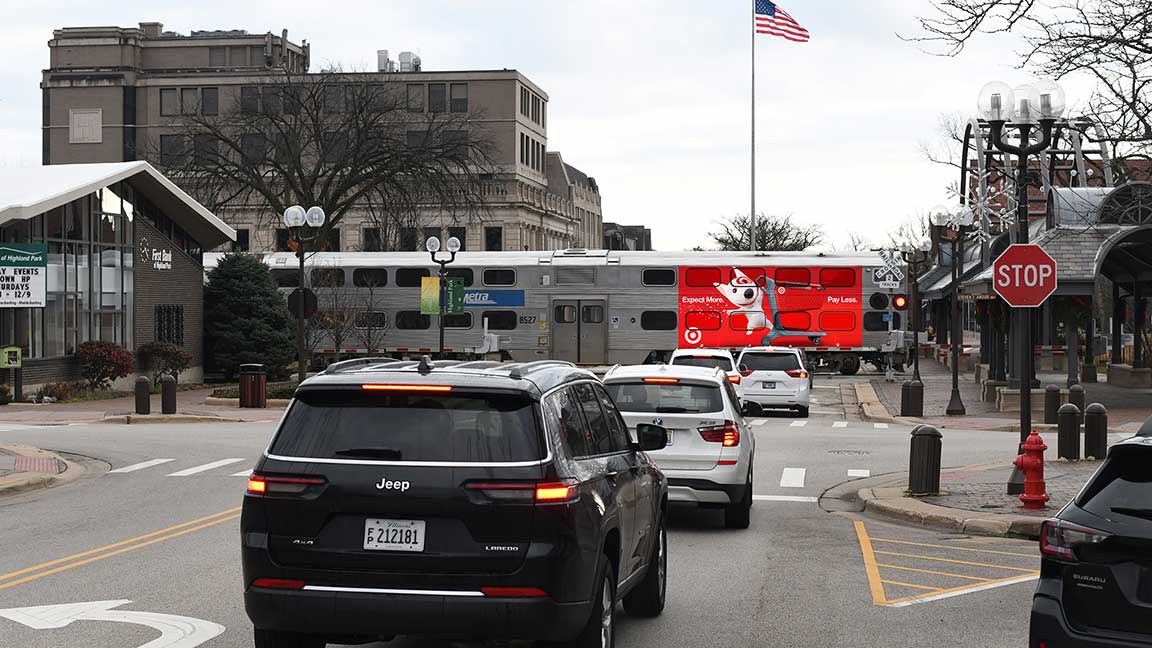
1095	587
469	500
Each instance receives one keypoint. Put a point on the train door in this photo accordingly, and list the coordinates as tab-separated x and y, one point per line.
580	330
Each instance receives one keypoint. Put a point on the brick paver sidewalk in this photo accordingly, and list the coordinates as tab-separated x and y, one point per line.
982	489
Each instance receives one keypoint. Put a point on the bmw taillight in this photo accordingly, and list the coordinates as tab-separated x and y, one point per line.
1060	538
797	373
734	378
727	434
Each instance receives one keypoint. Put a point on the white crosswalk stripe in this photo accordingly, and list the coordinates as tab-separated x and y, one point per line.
799	423
140	466
840	424
792	478
859	473
206	467
880	426
759	422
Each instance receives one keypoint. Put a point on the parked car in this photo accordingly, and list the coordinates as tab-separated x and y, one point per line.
1095	586
710	358
502	501
708	459
775	377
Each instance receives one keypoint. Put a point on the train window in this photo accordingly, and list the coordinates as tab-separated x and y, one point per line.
413	321
793	276
837	321
458	320
658	320
837	277
592	314
500	320
659	277
410	277
739	321
875	321
460	273
702	277
565	314
702	320
796	320
753	275
371	320
327	277
370	277
499	277
287	278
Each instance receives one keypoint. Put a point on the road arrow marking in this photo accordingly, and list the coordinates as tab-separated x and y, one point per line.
175	631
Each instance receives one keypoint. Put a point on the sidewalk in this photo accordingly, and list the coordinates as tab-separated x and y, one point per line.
188	403
973	498
25	467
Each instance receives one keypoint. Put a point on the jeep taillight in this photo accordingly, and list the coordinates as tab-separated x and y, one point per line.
526	492
277	485
1059	538
727	434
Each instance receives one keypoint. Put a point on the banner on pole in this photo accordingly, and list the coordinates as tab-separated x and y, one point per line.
430	295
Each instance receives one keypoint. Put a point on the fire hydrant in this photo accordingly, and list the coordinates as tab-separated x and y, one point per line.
1031	463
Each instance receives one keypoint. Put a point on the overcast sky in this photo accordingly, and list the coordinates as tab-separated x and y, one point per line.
651	98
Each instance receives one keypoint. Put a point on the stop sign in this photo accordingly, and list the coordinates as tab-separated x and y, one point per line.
1024	275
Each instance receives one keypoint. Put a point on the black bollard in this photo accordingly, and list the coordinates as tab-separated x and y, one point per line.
905	398
1051	403
143	395
1068	432
167	394
1095	431
924	461
916	394
1076	397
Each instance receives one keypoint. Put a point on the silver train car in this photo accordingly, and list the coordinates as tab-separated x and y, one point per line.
598	307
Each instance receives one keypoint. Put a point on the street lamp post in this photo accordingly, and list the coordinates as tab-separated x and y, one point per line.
303	227
433	247
958	223
1025	107
914	257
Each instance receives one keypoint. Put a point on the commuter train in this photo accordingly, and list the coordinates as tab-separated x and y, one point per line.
605	306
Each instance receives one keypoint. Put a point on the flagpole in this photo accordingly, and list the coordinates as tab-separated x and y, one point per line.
752	212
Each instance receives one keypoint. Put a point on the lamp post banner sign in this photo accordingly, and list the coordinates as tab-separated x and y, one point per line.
23	268
430	295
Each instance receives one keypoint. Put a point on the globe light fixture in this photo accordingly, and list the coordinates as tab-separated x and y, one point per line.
314	217
1052	99
1027	104
453	244
940	216
432	245
293	216
996	102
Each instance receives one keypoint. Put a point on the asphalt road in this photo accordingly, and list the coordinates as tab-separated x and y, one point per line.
800	576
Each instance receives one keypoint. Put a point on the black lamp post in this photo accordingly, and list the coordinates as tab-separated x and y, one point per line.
433	247
304	227
958	224
914	257
1025	106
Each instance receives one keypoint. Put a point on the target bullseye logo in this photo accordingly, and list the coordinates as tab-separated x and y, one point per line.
693	336
780	290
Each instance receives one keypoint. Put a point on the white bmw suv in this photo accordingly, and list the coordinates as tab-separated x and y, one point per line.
708	459
775	377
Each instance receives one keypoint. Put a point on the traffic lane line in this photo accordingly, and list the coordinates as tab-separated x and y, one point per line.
953	548
960	591
140	466
73	561
206	467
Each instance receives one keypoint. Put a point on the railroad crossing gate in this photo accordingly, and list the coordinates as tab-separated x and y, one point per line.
890	275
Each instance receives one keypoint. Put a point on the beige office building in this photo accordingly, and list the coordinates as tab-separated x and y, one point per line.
111	94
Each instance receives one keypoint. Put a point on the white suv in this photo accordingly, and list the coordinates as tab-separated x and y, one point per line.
710	358
708	459
775	377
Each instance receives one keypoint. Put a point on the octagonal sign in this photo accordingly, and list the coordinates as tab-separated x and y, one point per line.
1024	275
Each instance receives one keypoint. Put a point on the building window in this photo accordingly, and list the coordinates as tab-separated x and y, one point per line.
250	99
334	98
254	147
332	241
500	320
459	97
410	277
523	149
210	101
238	56
283	236
415	97
243	242
658	320
217	57
169	102
189	101
85	126
524	94
170	324
271	100
458	320
437	98
171	150
408	240
205	148
416	139
494	239
500	277
413	321
370	277
370	240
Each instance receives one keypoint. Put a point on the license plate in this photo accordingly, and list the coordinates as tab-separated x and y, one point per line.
394	535
769	385
669	437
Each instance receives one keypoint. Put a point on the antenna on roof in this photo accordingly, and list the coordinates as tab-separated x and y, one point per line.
425	365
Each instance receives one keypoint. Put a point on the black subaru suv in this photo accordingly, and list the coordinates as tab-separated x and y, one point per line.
472	500
1095	587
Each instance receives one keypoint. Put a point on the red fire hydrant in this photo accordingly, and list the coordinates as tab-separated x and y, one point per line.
1031	463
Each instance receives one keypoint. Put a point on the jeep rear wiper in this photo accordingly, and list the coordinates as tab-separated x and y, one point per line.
1134	512
374	453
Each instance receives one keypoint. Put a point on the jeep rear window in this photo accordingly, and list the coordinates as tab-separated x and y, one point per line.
708	362
781	361
400	426
1122	487
667	399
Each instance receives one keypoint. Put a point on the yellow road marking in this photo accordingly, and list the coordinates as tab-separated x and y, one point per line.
938	573
71	562
987	551
923	587
957	589
956	562
874	582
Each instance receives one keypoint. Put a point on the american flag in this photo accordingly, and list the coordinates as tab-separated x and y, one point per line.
774	21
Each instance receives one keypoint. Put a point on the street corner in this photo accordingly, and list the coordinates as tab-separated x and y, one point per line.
24	468
908	567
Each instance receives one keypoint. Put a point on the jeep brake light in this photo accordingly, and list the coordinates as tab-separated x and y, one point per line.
554	493
1060	539
526	492
408	388
727	434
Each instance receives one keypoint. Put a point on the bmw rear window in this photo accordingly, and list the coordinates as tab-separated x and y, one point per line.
709	362
770	361
410	426
679	398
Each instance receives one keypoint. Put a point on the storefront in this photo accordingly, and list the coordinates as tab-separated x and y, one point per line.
123	264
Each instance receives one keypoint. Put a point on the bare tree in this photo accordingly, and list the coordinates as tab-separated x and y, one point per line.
910	233
858	242
773	233
347	142
331	327
369	325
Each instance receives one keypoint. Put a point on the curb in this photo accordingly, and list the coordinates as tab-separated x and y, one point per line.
130	419
891	502
23	481
235	402
871	409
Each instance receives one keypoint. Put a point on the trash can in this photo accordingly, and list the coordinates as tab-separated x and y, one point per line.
253	386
